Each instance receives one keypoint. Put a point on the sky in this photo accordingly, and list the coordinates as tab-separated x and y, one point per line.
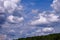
27	18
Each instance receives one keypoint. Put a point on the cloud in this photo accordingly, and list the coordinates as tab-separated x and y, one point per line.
48	30
56	5
9	5
7	17
14	27
34	10
33	32
44	18
15	19
53	18
48	16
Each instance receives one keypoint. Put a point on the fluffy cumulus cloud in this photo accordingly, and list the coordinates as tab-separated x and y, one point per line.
44	18
56	5
10	6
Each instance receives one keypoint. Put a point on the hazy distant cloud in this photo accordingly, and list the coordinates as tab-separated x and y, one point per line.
12	30
20	8
35	10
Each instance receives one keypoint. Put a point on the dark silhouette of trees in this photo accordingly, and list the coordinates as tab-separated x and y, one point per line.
47	37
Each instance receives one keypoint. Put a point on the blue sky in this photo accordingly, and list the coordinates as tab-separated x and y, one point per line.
38	4
27	18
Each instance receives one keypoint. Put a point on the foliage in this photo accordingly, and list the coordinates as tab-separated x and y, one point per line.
46	37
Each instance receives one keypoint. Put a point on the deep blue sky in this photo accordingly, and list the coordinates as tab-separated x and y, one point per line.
39	4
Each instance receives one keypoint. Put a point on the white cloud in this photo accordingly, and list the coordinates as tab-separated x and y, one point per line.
48	29
56	5
53	18
41	20
44	18
10	18
14	19
9	5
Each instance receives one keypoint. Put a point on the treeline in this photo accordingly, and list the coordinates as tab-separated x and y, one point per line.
47	37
